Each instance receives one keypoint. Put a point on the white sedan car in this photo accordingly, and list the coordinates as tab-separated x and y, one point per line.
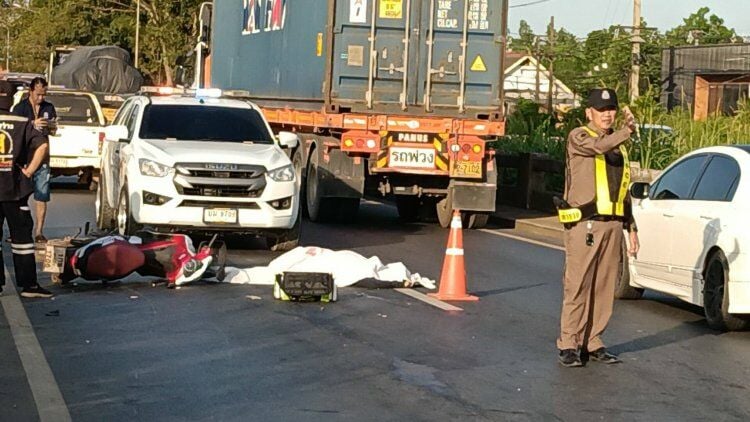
694	234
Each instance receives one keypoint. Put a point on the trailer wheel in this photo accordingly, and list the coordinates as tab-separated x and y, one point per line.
444	209
474	220
469	220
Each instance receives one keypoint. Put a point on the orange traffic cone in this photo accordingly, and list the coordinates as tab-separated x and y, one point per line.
453	277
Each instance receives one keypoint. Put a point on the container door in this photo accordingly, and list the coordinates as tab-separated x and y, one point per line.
461	55
375	52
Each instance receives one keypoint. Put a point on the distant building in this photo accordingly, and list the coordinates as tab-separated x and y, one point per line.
521	83
708	79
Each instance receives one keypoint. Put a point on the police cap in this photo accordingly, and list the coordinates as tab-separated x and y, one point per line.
603	99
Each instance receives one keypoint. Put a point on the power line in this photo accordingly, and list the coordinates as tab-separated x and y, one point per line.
531	3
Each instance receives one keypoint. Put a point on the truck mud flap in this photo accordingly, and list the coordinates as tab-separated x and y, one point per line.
475	196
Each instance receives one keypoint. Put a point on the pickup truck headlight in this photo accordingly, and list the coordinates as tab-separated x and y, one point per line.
152	168
282	174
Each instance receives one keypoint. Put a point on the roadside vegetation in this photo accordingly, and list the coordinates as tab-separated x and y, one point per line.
665	135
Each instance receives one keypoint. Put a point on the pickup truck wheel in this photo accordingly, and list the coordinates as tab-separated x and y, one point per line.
318	208
105	215
126	226
287	240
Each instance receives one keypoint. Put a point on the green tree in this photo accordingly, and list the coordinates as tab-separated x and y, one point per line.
168	31
525	39
700	28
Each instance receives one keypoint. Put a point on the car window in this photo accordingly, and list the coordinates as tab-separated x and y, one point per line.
74	109
204	123
132	118
678	182
718	180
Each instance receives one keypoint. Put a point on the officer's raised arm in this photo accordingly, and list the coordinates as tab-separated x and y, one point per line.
591	143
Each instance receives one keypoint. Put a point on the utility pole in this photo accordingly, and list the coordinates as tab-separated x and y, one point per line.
635	73
537	98
137	29
503	48
551	38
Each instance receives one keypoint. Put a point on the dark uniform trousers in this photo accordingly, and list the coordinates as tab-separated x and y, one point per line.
20	224
591	273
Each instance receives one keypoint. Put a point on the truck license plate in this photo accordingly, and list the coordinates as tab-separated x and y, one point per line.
58	162
468	169
220	215
412	157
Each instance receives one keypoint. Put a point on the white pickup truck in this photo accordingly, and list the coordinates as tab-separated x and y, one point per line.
76	146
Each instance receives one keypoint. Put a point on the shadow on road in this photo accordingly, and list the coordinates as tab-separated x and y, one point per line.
680	333
506	290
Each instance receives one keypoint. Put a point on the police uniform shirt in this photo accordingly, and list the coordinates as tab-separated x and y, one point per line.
580	183
18	141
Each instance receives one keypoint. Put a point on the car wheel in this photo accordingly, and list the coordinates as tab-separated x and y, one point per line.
105	215
716	296
287	240
623	289
126	225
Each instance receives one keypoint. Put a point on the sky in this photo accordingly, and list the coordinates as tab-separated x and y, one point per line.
583	16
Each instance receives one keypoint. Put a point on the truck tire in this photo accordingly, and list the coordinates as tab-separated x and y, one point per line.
469	220
474	220
287	240
299	170
716	296
408	208
623	289
105	215
126	225
319	209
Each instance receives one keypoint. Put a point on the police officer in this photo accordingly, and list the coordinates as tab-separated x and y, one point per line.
22	150
597	177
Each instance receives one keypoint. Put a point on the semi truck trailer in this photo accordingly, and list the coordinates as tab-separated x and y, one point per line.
394	98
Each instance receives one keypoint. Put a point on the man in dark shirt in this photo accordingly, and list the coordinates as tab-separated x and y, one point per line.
44	116
22	150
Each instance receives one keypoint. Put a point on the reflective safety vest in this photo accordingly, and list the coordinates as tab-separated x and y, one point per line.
602	204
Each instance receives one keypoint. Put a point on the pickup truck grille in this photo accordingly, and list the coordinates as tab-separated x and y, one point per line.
220	180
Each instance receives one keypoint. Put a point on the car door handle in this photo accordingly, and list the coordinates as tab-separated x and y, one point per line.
668	215
705	217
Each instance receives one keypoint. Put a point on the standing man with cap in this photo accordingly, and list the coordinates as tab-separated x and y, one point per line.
597	209
44	116
22	150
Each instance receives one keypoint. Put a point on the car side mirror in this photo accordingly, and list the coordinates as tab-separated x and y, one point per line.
288	140
639	190
116	133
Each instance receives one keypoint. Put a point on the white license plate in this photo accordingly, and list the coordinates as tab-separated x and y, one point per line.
220	215
411	157
58	162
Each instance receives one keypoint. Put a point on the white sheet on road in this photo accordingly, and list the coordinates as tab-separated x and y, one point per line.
347	268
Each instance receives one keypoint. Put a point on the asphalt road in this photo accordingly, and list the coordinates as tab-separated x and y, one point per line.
129	351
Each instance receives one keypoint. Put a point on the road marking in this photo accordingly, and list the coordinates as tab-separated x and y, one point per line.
523	239
49	400
429	300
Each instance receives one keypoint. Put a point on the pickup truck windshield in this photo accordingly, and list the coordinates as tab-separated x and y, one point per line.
74	109
204	123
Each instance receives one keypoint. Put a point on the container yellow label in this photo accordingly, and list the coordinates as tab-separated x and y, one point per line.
478	65
319	45
391	9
